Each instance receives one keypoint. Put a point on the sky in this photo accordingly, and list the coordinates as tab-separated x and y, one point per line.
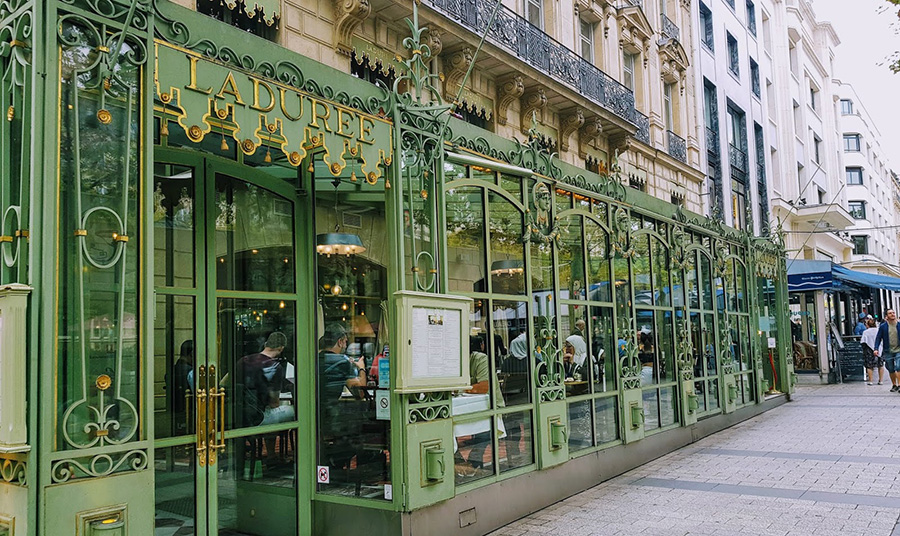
868	36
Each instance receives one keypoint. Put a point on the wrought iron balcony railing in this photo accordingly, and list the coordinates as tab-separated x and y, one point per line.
677	147
737	158
712	142
669	30
513	33
643	124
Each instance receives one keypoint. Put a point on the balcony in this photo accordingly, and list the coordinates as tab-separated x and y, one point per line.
668	29
712	142
737	158
643	124
517	36
677	147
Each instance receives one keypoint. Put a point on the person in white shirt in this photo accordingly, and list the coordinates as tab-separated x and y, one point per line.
873	359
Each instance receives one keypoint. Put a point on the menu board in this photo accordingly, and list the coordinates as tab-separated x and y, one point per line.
433	337
435	343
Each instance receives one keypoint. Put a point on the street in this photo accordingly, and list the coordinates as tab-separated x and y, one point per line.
826	463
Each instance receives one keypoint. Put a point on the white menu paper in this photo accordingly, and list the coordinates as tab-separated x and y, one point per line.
436	343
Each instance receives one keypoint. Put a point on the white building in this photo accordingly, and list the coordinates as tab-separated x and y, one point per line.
807	191
734	69
870	186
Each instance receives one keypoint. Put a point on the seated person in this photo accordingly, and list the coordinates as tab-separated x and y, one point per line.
341	421
574	356
261	377
480	377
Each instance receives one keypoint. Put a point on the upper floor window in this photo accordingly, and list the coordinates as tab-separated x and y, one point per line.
706	27
754	78
817	149
667	104
534	12
751	17
238	17
733	57
846	107
730	3
587	40
857	209
813	97
795	61
767	32
852	143
860	245
854	175
628	70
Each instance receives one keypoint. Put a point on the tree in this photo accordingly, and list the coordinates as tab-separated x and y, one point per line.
893	61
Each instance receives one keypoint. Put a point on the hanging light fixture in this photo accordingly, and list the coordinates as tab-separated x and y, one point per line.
507	267
338	242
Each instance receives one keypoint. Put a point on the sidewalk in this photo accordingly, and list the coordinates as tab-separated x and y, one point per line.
827	463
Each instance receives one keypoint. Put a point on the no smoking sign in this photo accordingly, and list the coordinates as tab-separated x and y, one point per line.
323	475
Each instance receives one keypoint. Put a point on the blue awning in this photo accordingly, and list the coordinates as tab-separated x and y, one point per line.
865	279
805	275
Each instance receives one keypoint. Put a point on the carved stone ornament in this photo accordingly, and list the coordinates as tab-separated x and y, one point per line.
348	15
507	93
433	40
673	61
533	102
634	28
571	121
456	66
590	131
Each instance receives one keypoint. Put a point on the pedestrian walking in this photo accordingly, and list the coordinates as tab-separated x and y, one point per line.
872	359
888	339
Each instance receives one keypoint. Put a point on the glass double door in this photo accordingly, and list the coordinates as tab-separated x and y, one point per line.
225	351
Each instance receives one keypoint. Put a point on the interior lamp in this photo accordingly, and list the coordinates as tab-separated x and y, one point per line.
338	242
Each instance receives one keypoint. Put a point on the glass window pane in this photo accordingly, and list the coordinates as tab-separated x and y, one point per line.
510	322
662	291
706	287
474	451
571	259
651	409
647	347
598	262
173	397
577	360
643	290
254	238
665	346
466	240
507	248
173	226
251	490
606	417
668	406
603	350
580	425
516	440
174	472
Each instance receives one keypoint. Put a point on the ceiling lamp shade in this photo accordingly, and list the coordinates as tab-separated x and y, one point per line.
339	244
507	267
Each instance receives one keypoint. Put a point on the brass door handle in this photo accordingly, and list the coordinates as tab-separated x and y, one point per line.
201	417
216	424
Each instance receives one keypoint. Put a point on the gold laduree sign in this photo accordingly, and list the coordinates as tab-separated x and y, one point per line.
207	98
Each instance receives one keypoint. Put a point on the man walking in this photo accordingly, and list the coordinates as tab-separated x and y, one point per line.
888	339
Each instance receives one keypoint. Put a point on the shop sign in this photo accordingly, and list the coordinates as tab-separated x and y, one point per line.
207	98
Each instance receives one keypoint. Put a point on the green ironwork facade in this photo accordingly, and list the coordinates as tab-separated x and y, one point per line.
165	181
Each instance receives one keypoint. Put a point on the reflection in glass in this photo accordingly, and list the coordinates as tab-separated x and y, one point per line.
517	446
174	407
474	452
603	349
700	391
706	283
254	238
691	281
598	262
510	324
507	248
643	291
173	470
606	416
665	346
713	395
580	425
465	240
257	351
667	406
661	286
651	409
571	259
257	488
173	226
647	347
577	359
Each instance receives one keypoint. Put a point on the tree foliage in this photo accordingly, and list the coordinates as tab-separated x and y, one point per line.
893	61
